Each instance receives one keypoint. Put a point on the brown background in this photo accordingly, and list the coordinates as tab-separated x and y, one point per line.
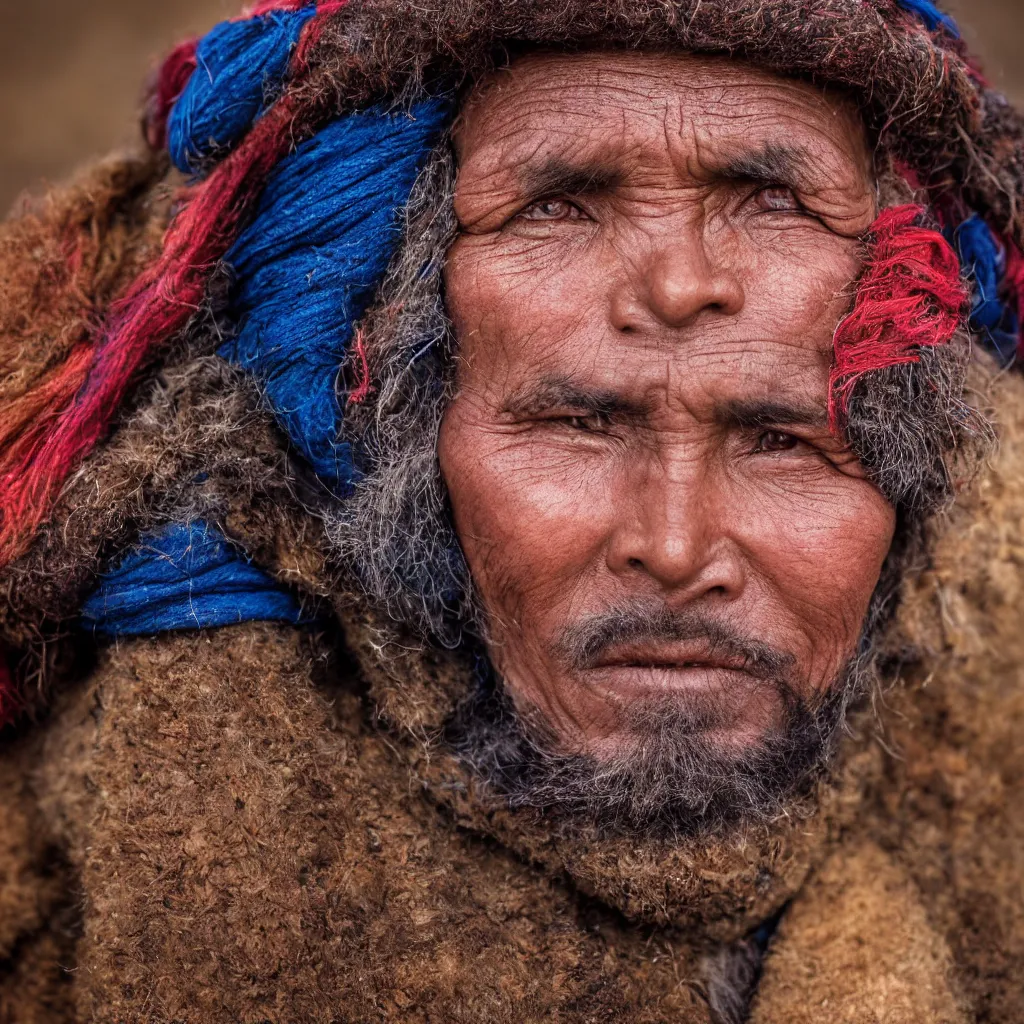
71	71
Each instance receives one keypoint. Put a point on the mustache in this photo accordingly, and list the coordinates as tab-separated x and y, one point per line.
583	644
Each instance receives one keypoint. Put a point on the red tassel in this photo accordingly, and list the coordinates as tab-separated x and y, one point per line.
910	295
158	305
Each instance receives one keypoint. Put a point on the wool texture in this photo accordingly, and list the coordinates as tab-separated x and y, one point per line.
168	84
84	395
365	870
238	68
308	266
262	821
932	17
185	577
983	256
924	100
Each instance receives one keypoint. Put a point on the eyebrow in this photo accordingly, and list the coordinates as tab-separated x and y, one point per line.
557	176
752	414
774	163
536	397
547	393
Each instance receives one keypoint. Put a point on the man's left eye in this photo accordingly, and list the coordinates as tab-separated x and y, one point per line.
778	199
776	441
548	210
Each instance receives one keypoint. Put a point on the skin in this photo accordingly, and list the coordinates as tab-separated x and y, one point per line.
654	254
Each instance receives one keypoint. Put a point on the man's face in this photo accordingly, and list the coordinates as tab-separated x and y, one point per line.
654	254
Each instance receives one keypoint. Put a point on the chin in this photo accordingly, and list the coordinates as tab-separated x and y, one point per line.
725	710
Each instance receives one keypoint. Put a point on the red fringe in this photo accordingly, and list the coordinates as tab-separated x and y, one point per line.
155	308
910	295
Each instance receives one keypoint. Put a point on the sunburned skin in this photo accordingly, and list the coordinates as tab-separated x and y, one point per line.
654	254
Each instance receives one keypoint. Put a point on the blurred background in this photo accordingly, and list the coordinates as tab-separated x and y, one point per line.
72	71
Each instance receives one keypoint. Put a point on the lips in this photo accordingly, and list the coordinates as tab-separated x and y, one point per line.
669	657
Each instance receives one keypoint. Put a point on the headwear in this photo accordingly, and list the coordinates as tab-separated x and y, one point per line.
303	127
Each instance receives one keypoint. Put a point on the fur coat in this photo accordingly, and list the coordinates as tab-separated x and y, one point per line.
259	823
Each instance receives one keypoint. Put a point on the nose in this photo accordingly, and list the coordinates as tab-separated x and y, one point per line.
675	537
675	278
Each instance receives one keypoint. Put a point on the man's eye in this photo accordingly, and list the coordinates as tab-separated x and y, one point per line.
778	199
548	210
776	441
592	423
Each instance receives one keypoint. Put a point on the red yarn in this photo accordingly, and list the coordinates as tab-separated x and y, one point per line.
266	6
156	306
1015	284
170	83
363	387
910	295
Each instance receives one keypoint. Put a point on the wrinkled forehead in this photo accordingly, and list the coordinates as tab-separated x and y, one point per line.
688	116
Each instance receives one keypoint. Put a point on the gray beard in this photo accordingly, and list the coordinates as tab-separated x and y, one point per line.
671	781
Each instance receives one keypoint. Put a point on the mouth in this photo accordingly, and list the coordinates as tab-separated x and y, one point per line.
670	657
669	666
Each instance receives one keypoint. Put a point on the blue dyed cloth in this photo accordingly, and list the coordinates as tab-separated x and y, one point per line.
309	264
185	577
932	17
985	259
241	66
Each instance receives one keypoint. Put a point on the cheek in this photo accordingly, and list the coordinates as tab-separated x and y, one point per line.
796	282
819	544
504	295
532	519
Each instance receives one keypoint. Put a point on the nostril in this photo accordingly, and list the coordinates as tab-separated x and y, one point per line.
635	563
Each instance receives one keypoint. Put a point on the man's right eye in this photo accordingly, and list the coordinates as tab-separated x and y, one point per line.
550	210
592	423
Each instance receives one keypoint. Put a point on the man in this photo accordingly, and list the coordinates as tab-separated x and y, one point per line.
487	564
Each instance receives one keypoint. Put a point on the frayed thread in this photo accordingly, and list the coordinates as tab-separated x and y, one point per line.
983	257
910	296
309	265
363	387
931	16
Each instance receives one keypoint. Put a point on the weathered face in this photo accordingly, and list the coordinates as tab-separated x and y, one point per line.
654	254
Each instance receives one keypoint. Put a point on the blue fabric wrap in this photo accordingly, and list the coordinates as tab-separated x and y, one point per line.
185	577
310	262
985	259
932	17
241	66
